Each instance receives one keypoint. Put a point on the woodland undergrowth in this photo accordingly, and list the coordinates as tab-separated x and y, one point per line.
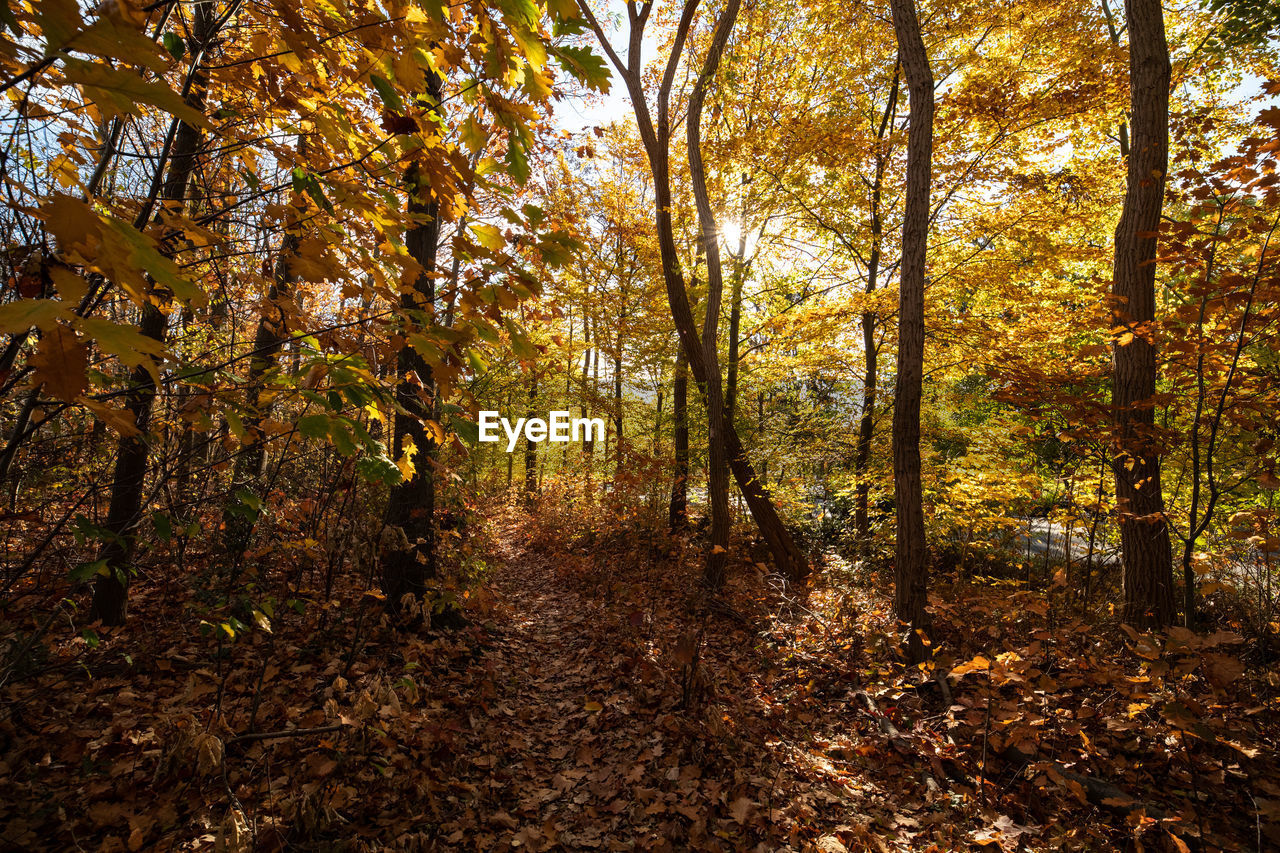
597	698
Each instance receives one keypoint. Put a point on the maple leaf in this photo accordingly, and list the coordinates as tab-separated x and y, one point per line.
61	362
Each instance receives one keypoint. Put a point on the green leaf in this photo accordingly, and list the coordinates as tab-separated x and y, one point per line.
390	97
20	315
466	429
144	254
585	66
164	527
486	331
520	343
174	44
517	160
342	439
314	426
124	342
378	469
88	571
250	499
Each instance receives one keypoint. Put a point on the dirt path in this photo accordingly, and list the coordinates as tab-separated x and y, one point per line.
578	739
560	740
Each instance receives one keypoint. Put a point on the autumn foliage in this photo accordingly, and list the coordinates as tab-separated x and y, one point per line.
937	350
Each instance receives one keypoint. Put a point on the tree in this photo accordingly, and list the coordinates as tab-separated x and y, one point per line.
656	138
911	566
110	589
411	506
1144	532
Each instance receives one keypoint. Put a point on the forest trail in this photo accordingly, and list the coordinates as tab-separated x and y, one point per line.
568	752
579	738
554	744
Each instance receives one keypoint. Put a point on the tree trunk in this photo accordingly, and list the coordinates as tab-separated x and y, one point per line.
678	517
717	414
411	505
617	401
870	355
268	341
531	448
790	560
110	589
911	573
1144	532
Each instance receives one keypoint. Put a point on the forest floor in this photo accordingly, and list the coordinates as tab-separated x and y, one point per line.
597	700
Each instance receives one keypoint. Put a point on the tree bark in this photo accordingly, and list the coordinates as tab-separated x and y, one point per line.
1144	532
911	555
678	516
717	414
110	589
411	504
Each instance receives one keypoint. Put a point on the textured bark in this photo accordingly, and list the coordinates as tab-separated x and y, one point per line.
411	505
911	556
1144	532
110	590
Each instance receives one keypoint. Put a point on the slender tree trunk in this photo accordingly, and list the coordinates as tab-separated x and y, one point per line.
717	414
1144	532
411	504
790	560
679	514
911	555
870	354
738	279
588	445
531	448
268	341
617	401
110	591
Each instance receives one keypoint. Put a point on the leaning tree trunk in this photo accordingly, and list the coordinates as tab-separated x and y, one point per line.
410	562
791	561
110	589
718	418
911	570
1144	532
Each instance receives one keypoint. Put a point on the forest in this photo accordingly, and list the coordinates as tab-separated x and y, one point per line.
780	425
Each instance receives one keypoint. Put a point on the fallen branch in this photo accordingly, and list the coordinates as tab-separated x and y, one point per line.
1103	793
896	738
253	736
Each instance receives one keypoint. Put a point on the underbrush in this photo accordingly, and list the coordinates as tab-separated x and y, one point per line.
1036	724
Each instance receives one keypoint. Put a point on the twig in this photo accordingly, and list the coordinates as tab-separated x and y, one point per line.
255	736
